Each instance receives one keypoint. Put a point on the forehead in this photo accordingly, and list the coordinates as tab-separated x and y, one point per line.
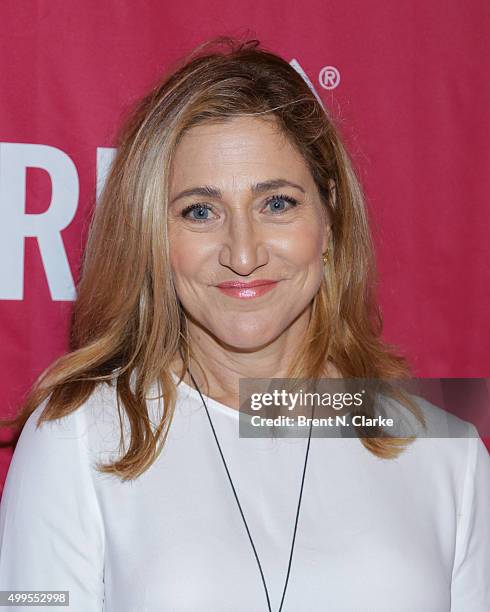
235	153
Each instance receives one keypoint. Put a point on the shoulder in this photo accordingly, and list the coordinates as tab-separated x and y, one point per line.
95	408
95	432
450	448
69	443
444	444
438	422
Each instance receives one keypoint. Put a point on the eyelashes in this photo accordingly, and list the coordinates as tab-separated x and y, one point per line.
272	199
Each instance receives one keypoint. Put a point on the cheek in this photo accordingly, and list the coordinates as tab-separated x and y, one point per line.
181	249
189	263
182	262
304	246
184	268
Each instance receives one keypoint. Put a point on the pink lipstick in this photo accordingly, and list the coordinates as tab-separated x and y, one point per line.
239	289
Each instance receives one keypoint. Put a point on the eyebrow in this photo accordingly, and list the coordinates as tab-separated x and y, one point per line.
213	192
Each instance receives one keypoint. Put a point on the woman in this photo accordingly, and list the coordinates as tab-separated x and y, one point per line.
231	172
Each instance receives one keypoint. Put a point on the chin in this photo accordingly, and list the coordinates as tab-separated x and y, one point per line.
246	338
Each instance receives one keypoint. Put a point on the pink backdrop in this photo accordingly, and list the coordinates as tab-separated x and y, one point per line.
407	83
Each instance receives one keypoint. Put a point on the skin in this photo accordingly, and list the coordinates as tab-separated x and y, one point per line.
243	237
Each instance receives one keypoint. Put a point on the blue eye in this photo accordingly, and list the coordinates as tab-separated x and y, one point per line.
277	198
200	208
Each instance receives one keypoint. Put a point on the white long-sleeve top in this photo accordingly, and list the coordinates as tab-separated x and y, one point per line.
409	534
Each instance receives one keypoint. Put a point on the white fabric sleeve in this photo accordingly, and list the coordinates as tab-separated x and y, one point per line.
470	587
51	527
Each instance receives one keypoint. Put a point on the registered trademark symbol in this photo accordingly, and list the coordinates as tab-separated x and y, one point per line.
329	77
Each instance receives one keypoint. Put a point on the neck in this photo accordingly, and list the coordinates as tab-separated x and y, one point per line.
225	365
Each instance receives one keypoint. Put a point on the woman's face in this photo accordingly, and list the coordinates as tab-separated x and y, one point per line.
242	229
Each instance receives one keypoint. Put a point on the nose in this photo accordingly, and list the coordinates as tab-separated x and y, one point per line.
244	246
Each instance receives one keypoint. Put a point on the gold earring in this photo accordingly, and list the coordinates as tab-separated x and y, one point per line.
325	258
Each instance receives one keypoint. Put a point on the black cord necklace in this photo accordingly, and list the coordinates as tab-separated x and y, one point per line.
240	507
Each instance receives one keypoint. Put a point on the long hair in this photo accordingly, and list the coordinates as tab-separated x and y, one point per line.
127	322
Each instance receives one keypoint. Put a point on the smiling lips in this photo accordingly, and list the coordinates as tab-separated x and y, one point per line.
239	289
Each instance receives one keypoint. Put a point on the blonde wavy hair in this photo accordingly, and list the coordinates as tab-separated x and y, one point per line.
128	324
